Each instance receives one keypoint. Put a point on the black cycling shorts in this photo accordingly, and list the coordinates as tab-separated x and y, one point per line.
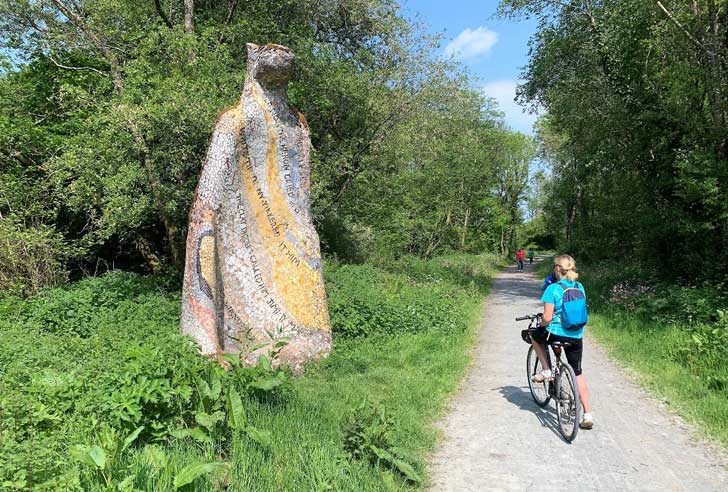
573	352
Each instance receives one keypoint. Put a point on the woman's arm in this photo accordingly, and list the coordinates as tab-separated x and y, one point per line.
548	313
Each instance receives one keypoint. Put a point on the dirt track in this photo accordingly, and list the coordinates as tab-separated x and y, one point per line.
496	438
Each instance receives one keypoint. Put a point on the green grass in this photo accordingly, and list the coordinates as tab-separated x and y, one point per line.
658	354
411	375
105	354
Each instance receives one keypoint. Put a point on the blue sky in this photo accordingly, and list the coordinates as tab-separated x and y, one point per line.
494	50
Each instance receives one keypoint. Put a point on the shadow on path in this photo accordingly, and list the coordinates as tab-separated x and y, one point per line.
521	397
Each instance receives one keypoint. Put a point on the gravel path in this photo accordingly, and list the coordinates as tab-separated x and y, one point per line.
496	438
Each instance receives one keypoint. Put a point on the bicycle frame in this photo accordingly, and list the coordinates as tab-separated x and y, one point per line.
559	370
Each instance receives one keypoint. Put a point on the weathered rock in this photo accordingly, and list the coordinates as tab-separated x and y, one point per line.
253	272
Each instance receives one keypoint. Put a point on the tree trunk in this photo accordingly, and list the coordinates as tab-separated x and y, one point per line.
169	227
162	15
189	16
151	259
465	229
716	79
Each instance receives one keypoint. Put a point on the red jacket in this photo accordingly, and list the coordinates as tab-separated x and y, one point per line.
520	254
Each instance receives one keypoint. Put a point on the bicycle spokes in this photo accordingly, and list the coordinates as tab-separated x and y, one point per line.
567	403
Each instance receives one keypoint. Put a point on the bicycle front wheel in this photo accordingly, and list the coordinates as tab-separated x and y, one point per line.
539	391
568	404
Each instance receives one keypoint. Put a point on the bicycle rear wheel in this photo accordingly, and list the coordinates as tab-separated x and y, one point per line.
568	404
539	391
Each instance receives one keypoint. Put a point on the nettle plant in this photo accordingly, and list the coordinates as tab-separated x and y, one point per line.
368	437
104	456
217	415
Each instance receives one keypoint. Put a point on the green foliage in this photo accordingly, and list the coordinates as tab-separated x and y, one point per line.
105	358
359	307
640	291
106	114
364	300
367	436
104	456
676	336
98	391
635	132
30	258
191	472
697	312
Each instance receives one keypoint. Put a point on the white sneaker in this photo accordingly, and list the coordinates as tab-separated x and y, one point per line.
542	376
587	421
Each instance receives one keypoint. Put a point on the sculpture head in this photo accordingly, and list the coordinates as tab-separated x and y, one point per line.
271	64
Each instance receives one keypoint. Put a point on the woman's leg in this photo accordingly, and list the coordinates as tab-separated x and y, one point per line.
573	356
541	354
583	393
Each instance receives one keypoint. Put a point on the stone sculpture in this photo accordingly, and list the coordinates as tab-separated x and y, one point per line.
253	272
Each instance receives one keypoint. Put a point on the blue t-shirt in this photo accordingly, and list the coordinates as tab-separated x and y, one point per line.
553	295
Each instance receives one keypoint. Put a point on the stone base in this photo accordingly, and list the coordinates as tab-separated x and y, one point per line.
302	348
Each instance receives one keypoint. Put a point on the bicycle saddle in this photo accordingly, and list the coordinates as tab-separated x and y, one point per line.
562	344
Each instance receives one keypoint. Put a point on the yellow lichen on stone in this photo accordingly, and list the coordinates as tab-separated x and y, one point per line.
207	262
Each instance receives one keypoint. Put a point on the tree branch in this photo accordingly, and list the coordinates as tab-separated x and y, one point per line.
60	65
162	14
231	12
77	20
680	26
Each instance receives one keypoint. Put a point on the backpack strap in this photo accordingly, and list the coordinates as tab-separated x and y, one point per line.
577	285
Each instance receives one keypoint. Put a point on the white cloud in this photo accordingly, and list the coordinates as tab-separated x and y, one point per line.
504	91
471	43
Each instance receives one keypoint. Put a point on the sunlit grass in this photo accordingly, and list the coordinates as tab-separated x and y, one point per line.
86	333
647	348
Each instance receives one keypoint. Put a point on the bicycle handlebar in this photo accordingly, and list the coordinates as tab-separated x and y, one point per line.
529	317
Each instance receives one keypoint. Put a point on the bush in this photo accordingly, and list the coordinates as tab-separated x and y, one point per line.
87	367
104	353
364	301
639	291
30	258
688	322
368	437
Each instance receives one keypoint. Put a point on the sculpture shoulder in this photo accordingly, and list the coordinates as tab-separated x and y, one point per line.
225	136
230	121
221	157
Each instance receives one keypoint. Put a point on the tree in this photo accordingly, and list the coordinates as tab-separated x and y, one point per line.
636	129
108	106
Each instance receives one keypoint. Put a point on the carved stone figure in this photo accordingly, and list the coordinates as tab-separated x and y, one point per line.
253	272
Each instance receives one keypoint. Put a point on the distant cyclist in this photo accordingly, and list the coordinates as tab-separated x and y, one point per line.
520	256
565	277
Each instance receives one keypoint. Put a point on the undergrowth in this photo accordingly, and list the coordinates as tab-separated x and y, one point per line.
98	391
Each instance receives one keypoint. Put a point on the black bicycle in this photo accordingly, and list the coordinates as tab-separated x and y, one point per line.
562	387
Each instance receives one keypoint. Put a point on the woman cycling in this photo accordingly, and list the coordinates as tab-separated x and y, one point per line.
552	330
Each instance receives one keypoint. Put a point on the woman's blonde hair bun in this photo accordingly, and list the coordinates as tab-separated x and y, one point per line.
567	267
